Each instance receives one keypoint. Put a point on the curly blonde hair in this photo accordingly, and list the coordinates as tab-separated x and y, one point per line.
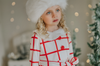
40	26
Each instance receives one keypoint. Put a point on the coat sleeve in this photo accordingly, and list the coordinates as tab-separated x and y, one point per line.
72	60
34	50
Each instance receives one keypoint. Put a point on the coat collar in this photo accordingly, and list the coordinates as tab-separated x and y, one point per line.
53	35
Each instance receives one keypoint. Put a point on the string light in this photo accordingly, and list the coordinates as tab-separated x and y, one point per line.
76	30
90	6
91	38
88	61
12	19
13	3
76	14
28	19
89	31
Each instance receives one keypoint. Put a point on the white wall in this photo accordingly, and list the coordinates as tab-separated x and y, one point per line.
1	46
1	40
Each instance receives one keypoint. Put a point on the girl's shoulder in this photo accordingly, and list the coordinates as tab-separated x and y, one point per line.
35	32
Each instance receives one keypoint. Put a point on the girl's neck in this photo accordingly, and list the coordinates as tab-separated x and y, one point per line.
51	29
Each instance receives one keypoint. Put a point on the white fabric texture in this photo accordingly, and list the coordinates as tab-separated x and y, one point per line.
55	51
35	8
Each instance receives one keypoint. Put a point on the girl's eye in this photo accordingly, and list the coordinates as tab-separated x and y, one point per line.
57	9
48	12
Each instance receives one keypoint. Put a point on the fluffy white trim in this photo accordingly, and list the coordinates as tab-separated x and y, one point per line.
35	8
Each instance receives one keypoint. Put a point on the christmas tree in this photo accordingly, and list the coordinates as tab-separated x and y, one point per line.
75	50
94	29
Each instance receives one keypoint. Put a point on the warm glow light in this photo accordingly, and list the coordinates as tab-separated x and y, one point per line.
12	12
76	14
90	6
91	44
89	31
13	3
87	22
87	14
76	30
28	19
88	61
12	19
91	39
17	27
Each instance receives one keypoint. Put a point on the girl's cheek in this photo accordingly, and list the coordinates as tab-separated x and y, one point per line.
48	17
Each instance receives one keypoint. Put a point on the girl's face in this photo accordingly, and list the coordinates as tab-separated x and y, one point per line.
51	14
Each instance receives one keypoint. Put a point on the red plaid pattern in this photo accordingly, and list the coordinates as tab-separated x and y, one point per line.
51	48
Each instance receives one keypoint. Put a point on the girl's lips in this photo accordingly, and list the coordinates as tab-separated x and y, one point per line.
55	20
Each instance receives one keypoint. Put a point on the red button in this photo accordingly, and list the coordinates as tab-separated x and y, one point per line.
62	47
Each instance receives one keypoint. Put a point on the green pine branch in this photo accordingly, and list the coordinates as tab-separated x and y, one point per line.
95	44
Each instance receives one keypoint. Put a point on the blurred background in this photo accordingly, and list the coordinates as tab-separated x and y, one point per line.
16	30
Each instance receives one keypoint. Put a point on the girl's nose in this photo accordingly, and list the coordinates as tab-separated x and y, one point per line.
54	15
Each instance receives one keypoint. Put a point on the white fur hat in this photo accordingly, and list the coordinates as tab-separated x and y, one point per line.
35	8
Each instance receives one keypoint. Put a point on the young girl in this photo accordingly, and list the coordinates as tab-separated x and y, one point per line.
50	44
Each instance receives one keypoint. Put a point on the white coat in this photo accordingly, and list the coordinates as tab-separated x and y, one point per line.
55	51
